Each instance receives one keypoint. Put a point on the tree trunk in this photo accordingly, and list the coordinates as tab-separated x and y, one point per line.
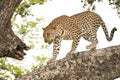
10	44
102	64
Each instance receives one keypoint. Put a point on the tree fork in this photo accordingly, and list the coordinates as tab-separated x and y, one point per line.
101	64
10	44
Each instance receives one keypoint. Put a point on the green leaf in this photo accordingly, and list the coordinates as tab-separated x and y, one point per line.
33	2
32	24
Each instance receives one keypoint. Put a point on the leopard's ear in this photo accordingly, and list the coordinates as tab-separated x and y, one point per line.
43	29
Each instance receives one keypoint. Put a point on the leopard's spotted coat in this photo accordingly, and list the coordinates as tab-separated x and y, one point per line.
83	24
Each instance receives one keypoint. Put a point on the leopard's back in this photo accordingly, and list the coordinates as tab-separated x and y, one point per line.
87	20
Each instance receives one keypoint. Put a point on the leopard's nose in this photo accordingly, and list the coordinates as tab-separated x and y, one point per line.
45	41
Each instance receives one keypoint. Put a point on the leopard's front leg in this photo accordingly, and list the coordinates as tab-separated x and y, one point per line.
56	48
75	43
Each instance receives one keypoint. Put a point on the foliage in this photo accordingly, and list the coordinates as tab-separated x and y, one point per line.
15	71
44	46
11	70
23	9
27	30
116	5
40	60
91	6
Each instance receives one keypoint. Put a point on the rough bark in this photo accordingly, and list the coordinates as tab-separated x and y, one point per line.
1	78
10	44
101	64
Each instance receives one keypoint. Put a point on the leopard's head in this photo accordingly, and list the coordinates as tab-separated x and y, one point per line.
50	33
55	29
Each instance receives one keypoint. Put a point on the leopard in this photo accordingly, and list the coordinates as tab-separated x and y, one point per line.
84	24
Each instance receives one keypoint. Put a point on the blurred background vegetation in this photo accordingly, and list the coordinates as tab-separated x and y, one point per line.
28	31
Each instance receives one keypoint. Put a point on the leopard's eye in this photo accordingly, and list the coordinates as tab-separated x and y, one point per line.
48	34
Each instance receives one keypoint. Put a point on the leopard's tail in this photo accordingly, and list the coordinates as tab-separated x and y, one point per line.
109	38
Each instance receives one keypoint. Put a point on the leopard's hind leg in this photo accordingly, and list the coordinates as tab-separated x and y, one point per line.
92	37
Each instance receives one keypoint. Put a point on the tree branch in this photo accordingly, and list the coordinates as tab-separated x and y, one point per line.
101	64
10	44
